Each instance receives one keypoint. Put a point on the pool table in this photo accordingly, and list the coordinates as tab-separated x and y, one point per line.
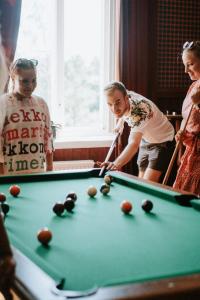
97	251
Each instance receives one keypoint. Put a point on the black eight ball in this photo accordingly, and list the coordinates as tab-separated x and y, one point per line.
58	208
147	205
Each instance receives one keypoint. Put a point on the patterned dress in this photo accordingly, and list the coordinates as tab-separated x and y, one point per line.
188	176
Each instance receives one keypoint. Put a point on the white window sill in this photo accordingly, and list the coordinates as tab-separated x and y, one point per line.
83	142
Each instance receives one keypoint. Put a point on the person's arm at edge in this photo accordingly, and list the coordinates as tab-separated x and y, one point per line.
1	169
49	161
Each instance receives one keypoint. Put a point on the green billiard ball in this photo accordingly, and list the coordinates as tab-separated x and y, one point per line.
105	189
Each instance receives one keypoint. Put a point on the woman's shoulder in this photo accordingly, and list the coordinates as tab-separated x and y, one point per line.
38	99
192	85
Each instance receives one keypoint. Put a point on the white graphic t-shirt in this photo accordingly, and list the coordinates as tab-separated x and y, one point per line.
145	117
25	134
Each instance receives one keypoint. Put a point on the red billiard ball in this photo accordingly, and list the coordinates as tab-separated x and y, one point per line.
147	205
2	197
14	190
126	206
44	236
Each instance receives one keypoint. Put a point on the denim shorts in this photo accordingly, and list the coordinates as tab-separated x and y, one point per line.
155	156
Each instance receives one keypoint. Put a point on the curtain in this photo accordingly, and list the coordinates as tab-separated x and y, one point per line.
135	44
10	11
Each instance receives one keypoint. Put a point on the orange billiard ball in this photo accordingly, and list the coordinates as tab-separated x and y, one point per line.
14	190
126	206
44	236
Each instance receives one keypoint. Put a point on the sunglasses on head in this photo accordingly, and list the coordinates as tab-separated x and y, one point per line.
23	62
191	45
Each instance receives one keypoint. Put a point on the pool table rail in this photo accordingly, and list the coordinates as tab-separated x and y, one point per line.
32	283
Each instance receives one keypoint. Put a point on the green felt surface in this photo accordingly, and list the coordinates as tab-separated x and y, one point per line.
97	244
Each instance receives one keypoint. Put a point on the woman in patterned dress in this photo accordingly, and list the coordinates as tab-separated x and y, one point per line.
188	176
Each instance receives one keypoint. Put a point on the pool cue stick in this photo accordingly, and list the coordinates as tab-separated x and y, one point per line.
112	147
109	152
169	169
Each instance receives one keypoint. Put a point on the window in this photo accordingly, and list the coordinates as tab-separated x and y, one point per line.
73	41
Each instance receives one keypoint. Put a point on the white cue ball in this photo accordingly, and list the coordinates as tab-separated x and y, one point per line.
92	191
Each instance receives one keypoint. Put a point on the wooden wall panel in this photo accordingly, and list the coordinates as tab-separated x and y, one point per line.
96	154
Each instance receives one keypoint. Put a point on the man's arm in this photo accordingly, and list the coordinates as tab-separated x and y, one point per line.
128	153
49	161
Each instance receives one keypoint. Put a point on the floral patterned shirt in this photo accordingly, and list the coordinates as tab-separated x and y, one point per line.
145	117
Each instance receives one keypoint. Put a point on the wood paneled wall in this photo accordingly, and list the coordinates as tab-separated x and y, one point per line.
96	154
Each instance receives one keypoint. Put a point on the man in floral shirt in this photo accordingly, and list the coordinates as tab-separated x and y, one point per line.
150	132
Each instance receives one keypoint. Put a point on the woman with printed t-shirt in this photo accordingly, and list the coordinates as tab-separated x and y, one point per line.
25	127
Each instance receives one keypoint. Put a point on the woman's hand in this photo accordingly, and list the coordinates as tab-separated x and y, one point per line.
179	135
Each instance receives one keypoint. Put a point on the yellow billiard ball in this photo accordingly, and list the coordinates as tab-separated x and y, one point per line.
92	191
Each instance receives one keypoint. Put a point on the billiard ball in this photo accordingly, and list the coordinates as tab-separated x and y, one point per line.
147	205
69	204
105	189
108	179
126	206
5	208
72	195
2	197
14	190
92	191
44	236
58	208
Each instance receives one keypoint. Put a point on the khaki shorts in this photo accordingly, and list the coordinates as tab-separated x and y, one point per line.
155	156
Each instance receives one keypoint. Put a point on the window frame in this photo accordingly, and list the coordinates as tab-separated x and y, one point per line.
80	136
88	135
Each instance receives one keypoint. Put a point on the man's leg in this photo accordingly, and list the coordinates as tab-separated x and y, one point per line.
151	174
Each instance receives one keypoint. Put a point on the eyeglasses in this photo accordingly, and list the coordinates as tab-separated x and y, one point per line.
25	63
191	45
